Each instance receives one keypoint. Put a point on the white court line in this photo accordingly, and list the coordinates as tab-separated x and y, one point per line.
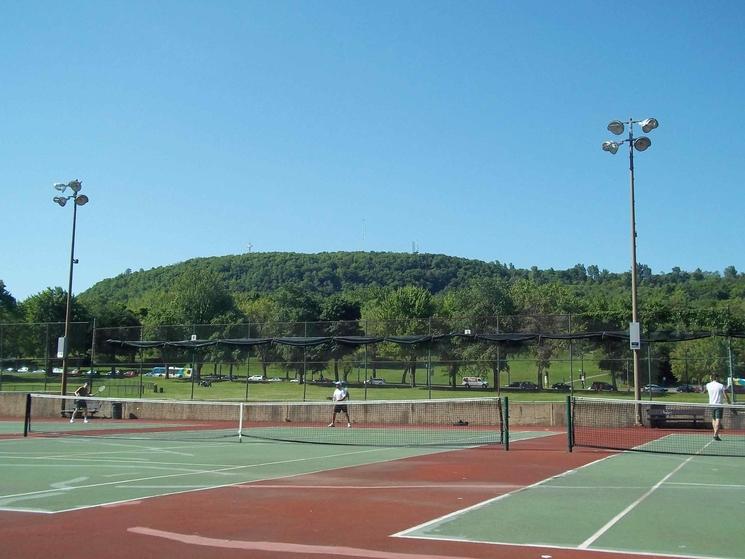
388	487
613	521
408	532
133	449
454	514
75	461
230	468
210	487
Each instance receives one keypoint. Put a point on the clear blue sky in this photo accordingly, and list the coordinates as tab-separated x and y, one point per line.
470	128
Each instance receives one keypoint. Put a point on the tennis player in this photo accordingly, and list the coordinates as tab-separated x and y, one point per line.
717	395
82	392
340	395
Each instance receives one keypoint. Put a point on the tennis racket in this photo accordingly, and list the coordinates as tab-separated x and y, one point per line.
101	388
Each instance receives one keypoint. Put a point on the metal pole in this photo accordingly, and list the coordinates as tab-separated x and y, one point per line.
248	360
649	368
571	359
731	370
634	299
193	369
429	360
66	345
305	377
93	343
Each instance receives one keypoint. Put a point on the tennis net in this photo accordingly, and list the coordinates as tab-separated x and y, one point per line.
444	422
652	426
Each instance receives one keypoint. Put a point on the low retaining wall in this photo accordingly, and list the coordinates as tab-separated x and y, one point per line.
482	412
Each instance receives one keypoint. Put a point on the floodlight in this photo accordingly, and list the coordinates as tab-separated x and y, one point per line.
642	143
81	200
611	147
75	185
649	124
61	200
616	127
60	186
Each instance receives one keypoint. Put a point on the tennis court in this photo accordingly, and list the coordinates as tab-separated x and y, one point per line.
141	493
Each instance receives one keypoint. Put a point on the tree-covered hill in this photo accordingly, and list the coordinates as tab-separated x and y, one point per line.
326	274
323	274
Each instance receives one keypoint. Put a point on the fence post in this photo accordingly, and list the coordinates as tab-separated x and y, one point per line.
429	359
506	423
570	424
731	369
571	360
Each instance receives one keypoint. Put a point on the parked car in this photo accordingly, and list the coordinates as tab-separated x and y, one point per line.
23	370
523	385
476	382
256	378
561	387
687	388
274	379
654	389
602	386
375	381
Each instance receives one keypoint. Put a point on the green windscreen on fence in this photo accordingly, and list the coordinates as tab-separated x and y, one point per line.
652	426
455	422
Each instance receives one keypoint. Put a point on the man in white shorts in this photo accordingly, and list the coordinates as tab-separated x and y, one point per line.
717	396
339	396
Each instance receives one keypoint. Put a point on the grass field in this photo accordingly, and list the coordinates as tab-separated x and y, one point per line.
239	389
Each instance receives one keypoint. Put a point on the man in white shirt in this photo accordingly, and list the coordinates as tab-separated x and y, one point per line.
717	396
340	395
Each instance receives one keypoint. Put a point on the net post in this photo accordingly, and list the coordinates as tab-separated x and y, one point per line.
240	420
27	416
570	424
506	424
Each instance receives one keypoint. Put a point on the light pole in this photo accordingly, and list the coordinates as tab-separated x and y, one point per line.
640	144
63	345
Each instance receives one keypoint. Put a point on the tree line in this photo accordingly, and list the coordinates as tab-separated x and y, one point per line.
400	291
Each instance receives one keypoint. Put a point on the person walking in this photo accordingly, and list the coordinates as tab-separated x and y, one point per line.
339	396
717	396
82	392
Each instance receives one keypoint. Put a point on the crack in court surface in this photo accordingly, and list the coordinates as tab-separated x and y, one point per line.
283	547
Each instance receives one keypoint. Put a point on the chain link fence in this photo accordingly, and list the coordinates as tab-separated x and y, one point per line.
559	359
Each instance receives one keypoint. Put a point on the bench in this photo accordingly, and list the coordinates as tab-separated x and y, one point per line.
92	411
661	416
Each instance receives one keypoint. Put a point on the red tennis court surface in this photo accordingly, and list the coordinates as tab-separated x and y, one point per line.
347	512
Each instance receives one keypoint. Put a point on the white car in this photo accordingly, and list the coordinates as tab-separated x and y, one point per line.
476	382
23	370
256	378
274	379
375	381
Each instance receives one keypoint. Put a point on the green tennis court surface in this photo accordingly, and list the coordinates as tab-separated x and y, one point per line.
71	472
683	506
64	426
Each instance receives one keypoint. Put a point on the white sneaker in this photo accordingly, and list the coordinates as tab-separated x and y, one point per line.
72	421
349	425
331	425
85	421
